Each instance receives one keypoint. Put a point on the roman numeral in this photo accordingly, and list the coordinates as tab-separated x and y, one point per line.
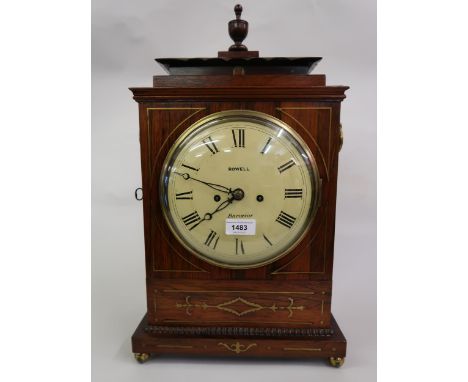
285	219
191	218
285	166
211	237
239	247
293	193
190	167
268	241
185	195
265	148
208	142
240	141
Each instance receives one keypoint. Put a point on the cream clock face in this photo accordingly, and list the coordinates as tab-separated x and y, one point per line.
239	189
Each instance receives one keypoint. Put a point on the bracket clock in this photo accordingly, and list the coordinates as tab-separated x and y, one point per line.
239	158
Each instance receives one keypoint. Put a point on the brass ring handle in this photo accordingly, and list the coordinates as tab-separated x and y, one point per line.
136	193
341	137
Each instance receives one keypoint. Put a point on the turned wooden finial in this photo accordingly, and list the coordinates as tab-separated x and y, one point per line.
238	30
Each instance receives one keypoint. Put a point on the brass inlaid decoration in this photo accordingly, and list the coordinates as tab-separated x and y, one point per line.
237	347
302	349
237	291
175	346
250	307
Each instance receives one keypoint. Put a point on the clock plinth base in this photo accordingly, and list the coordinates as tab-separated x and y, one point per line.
330	346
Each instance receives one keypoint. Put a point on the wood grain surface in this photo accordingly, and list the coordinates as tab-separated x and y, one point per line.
292	292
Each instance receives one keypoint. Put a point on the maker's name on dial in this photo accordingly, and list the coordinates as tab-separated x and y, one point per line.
239	216
238	168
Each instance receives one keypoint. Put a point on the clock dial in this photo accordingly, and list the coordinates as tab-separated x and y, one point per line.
239	189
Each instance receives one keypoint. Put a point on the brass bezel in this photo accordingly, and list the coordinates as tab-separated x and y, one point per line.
257	117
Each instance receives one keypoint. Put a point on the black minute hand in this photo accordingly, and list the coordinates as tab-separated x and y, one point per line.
215	186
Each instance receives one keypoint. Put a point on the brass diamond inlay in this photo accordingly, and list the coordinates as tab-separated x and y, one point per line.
250	307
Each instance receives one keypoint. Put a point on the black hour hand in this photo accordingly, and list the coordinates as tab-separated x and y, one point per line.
209	215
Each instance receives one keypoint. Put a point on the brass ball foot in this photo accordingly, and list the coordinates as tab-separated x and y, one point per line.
141	357
336	361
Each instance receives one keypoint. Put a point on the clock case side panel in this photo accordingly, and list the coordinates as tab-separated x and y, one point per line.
145	181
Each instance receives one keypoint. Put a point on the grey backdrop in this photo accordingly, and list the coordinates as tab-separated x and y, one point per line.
127	36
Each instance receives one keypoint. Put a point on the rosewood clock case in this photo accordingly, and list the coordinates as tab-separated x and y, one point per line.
279	309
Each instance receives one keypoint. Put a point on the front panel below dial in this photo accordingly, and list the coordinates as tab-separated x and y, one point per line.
274	304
